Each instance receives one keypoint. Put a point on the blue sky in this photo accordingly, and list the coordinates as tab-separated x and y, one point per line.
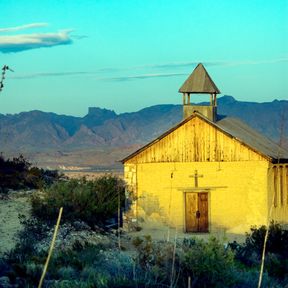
129	54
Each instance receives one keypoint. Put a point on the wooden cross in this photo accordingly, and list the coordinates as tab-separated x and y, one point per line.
196	176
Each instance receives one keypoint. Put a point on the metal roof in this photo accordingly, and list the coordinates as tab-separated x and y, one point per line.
236	129
253	139
199	82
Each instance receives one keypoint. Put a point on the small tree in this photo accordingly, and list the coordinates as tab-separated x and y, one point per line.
92	201
18	173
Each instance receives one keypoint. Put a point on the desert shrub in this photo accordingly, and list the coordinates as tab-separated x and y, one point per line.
156	259
93	201
69	284
23	264
33	231
248	278
4	268
12	172
208	264
111	269
250	253
92	265
277	240
40	178
18	173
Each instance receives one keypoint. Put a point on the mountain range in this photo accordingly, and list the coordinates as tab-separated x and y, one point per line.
36	131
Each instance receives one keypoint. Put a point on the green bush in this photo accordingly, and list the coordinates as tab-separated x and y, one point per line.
23	265
277	240
18	173
208	264
93	201
156	259
250	253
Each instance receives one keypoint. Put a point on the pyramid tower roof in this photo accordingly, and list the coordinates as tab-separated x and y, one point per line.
199	82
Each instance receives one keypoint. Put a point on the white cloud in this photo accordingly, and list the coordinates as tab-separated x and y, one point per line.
22	42
51	74
143	76
23	27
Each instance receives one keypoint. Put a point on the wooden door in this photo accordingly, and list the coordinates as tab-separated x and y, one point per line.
191	207
196	212
203	209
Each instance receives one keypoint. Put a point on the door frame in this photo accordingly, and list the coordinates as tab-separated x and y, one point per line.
209	209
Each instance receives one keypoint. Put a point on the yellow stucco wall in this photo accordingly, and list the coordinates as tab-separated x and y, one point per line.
237	191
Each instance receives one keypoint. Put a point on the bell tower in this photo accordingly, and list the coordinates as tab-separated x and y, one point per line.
199	82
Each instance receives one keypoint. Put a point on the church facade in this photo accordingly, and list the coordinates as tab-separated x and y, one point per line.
207	174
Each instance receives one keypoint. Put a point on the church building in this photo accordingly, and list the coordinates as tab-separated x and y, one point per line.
207	173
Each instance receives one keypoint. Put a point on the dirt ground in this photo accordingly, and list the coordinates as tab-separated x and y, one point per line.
16	203
165	233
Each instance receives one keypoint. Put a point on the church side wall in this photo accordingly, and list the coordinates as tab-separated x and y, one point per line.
237	193
278	192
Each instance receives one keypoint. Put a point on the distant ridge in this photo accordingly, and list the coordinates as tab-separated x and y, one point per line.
40	131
